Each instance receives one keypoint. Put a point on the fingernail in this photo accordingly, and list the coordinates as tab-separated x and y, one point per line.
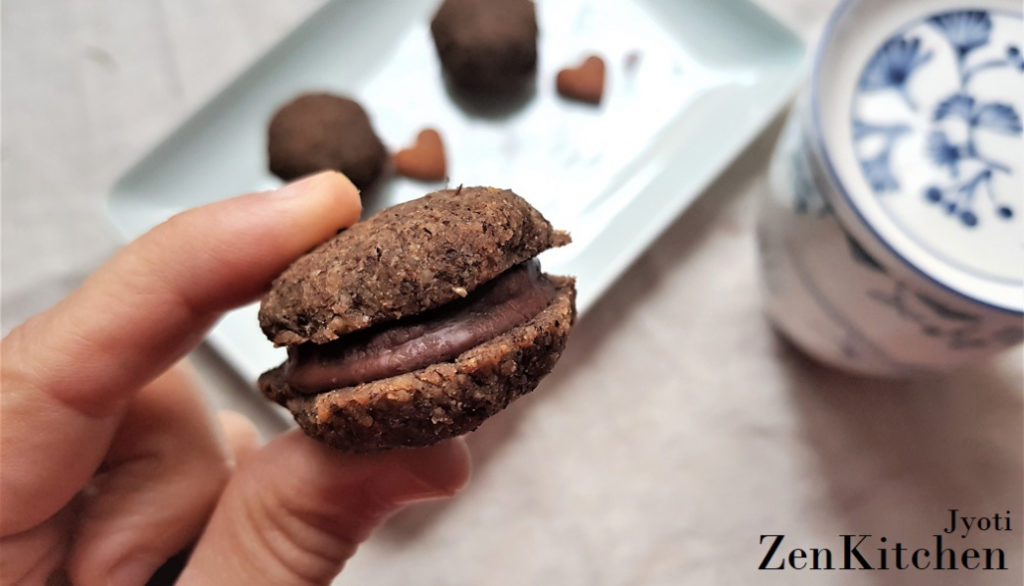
403	487
133	571
304	185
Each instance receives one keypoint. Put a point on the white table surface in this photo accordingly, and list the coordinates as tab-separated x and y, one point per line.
677	428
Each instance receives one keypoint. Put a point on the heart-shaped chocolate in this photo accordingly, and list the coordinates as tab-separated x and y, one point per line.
424	160
584	82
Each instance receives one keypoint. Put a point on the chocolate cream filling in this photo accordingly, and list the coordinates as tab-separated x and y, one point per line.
511	299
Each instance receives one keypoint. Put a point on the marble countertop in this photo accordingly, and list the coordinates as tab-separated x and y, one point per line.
677	429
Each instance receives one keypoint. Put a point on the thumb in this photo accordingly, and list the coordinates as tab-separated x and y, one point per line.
296	510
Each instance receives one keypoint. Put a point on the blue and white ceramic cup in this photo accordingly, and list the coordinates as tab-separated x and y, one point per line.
893	243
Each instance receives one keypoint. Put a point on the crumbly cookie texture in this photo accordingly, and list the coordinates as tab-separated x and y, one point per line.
442	400
402	261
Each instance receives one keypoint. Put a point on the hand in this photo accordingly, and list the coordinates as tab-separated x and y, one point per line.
111	461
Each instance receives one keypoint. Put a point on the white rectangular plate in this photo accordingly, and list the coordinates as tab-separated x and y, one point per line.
689	83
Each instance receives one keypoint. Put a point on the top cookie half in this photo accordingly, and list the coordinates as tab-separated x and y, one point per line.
402	261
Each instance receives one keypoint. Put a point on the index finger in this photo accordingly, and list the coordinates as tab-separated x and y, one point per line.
68	372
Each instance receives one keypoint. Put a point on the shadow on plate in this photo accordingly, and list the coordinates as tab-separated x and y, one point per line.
494	106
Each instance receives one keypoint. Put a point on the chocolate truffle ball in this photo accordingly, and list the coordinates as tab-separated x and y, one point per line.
487	45
319	132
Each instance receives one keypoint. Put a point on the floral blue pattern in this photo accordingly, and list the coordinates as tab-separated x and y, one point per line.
877	170
1014	58
957	329
958	197
966	29
998	118
968	171
944	153
879	173
956	106
893	65
807	196
993	116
